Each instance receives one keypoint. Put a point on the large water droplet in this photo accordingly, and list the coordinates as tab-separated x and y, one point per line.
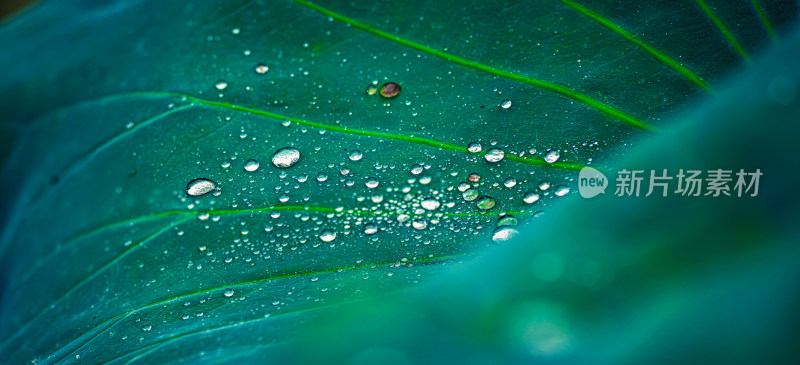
286	157
372	183
262	68
561	190
551	156
417	169
503	234
228	293
370	229
430	204
251	165
530	197
494	155
510	182
200	186
327	235
470	195
507	220
390	90
505	104
355	155
474	147
419	224
221	85
485	203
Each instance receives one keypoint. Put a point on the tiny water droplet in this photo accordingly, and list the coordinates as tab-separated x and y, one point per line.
551	156
505	104
327	235
251	165
201	186
544	185
417	169
474	177
262	68
494	155
221	85
419	224
147	328
474	147
228	293
510	182
321	177
286	157
371	90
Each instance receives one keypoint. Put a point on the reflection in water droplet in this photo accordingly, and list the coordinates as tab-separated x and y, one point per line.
505	104
430	204
530	197
251	165
503	234
355	155
494	155
485	203
327	235
200	186
562	190
286	157
474	147
551	156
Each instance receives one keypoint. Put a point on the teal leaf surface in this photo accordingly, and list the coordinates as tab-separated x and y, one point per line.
115	108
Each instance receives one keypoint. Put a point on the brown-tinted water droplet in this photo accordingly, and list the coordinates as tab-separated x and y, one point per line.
390	90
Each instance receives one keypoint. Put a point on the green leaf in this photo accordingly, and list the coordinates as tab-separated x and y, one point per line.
115	108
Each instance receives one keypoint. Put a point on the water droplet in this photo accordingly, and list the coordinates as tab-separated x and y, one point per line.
262	68
505	104
474	147
201	186
228	293
419	224
551	156
507	220
503	234
494	155
372	183
474	177
430	204
371	90
327	235
485	203
321	177
147	328
562	190
355	155
390	90
417	169
251	165
470	195
463	186
286	157
544	185
510	182
221	85
530	197
370	229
